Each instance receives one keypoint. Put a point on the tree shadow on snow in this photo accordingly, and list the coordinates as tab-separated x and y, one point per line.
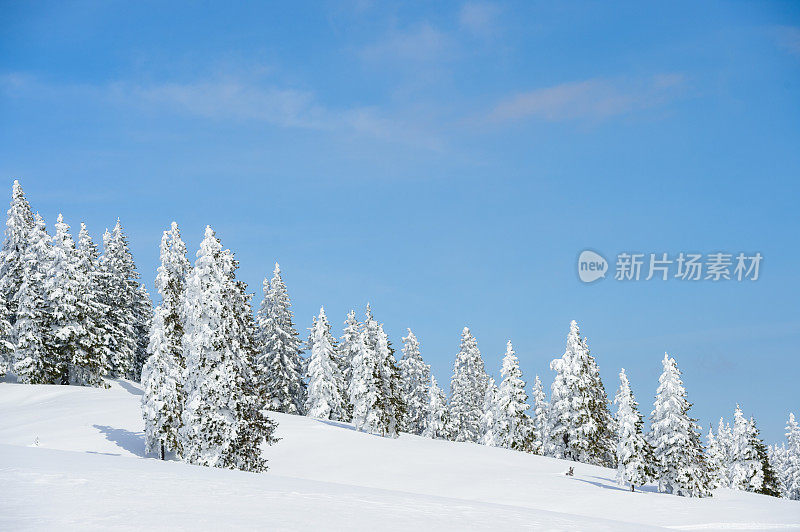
133	442
340	424
612	485
130	388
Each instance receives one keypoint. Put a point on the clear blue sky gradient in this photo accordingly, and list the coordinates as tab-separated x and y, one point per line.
446	162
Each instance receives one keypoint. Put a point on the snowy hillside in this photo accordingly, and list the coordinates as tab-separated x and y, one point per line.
88	470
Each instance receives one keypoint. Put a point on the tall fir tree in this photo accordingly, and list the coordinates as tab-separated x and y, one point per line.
18	224
580	424
364	386
6	347
724	441
715	460
93	347
634	454
436	425
680	463
349	346
63	290
390	404
325	391
791	472
222	424
745	471
539	423
279	359
489	426
513	423
415	375
770	484
467	391
35	360
162	374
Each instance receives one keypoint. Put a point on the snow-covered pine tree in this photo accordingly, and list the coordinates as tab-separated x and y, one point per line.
35	360
779	460
130	307
325	391
162	374
415	375
770	484
18	224
279	359
791	474
680	463
539	423
715	460
436	425
513	424
349	346
467	391
581	427
725	446
490	415
391	405
221	421
63	290
634	454
745	466
92	350
363	389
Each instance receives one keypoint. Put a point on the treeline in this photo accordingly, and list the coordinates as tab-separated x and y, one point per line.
68	313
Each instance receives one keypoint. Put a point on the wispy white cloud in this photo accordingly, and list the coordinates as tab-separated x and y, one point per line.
479	18
591	99
420	44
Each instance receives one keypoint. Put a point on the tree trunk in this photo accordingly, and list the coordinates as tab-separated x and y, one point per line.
631	487
162	449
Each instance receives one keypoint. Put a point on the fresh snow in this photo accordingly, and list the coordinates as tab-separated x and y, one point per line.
72	457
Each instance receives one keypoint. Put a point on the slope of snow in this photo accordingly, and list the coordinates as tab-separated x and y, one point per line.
87	471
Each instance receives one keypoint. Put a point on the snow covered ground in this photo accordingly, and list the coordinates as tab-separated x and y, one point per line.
88	471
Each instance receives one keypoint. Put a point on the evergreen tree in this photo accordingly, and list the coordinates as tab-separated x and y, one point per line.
18	224
143	318
6	347
436	425
745	467
92	349
791	473
364	386
770	484
539	432
513	424
391	405
222	424
467	391
279	359
715	460
490	414
581	427
415	375
349	346
324	399
725	448
62	287
680	463
36	362
162	374
634	454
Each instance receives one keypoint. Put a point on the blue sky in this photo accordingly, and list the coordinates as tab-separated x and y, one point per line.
446	162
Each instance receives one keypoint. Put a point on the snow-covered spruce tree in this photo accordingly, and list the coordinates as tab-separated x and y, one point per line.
791	473
467	391
325	391
35	361
129	305
771	484
634	454
489	416
725	447
349	346
745	467
391	405
580	424
279	359
715	460
63	289
92	349
18	224
436	425
221	421
364	386
162	374
415	375
779	460
6	347
680	463
539	422
513	424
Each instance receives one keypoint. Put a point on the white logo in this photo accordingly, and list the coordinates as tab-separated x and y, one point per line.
591	266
